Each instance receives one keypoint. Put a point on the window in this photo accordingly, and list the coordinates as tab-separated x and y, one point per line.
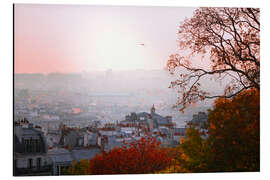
26	145
58	169
31	145
34	145
38	163
30	163
23	142
38	146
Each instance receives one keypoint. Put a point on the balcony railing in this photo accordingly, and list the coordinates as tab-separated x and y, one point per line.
46	170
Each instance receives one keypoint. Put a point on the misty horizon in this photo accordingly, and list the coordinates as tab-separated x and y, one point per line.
93	71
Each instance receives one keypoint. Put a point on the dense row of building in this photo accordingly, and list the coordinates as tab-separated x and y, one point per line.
50	152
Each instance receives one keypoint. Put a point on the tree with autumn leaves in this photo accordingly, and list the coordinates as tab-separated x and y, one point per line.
227	37
233	143
234	132
231	39
139	157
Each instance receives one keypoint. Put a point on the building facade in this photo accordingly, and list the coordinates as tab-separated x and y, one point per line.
30	151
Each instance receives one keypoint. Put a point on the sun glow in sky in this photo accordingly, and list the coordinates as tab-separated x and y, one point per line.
75	38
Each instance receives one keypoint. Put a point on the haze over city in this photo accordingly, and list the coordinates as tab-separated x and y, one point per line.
100	51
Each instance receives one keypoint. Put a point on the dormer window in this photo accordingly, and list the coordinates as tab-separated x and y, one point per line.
30	163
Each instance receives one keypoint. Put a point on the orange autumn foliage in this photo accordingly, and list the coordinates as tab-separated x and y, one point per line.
234	132
143	156
233	142
194	153
227	37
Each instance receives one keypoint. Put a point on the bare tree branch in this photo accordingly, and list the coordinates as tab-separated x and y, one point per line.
231	36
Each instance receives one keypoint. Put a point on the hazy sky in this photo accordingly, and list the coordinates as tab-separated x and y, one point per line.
75	38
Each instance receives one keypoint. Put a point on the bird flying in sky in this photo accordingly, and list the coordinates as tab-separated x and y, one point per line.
140	44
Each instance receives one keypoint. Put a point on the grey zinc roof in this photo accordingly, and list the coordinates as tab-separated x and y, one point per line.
85	153
126	121
143	114
60	155
30	131
57	151
119	143
160	120
113	145
179	130
61	158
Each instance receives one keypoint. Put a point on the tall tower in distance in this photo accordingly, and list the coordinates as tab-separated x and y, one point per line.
153	109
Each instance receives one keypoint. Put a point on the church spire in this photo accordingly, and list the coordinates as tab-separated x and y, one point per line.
153	109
